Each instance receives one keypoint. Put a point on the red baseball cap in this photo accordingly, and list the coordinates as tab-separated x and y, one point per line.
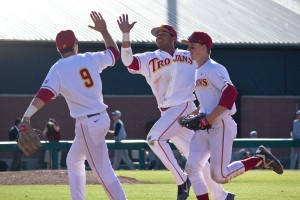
166	28
65	39
199	37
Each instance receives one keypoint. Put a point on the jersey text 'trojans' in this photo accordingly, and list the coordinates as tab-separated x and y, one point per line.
158	64
202	82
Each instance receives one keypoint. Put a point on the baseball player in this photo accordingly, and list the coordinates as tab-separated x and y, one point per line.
252	150
169	72
76	77
216	95
295	151
119	135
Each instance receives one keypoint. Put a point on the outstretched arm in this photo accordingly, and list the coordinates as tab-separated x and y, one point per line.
126	52
125	27
100	26
34	106
41	98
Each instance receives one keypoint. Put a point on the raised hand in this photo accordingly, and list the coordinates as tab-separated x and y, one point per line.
99	22
124	24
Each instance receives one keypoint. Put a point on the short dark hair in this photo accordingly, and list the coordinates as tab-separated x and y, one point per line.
17	121
66	50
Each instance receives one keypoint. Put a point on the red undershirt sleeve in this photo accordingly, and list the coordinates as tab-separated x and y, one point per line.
134	65
115	52
45	95
228	97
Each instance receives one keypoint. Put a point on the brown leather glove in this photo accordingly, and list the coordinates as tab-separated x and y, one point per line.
28	140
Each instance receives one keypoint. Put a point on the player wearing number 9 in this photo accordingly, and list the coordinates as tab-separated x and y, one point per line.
76	77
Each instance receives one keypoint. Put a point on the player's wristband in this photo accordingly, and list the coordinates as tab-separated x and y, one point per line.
126	37
30	111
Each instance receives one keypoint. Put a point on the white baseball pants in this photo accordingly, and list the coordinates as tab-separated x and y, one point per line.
89	144
167	127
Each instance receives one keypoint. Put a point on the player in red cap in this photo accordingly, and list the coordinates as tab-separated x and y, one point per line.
169	72
216	94
76	77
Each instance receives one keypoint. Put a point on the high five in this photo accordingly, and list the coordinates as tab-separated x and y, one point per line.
170	73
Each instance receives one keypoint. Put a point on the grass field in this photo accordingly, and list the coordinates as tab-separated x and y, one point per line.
255	184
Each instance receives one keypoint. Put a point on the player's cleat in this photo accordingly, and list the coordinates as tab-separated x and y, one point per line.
269	160
230	196
184	190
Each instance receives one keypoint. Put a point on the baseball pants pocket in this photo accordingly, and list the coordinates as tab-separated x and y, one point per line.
98	126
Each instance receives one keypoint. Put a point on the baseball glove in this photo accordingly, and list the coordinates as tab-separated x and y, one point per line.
195	122
28	140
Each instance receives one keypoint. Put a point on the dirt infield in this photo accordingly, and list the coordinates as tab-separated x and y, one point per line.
47	177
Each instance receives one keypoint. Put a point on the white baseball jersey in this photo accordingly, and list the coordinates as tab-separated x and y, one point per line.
82	88
172	80
163	72
77	79
216	143
211	80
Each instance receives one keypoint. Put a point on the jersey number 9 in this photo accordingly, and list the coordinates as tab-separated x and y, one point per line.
87	78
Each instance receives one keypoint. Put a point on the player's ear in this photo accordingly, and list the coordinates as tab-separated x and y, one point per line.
75	47
174	40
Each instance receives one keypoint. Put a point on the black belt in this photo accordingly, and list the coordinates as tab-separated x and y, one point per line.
164	109
89	116
92	115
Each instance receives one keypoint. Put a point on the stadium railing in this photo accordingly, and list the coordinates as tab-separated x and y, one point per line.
142	146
